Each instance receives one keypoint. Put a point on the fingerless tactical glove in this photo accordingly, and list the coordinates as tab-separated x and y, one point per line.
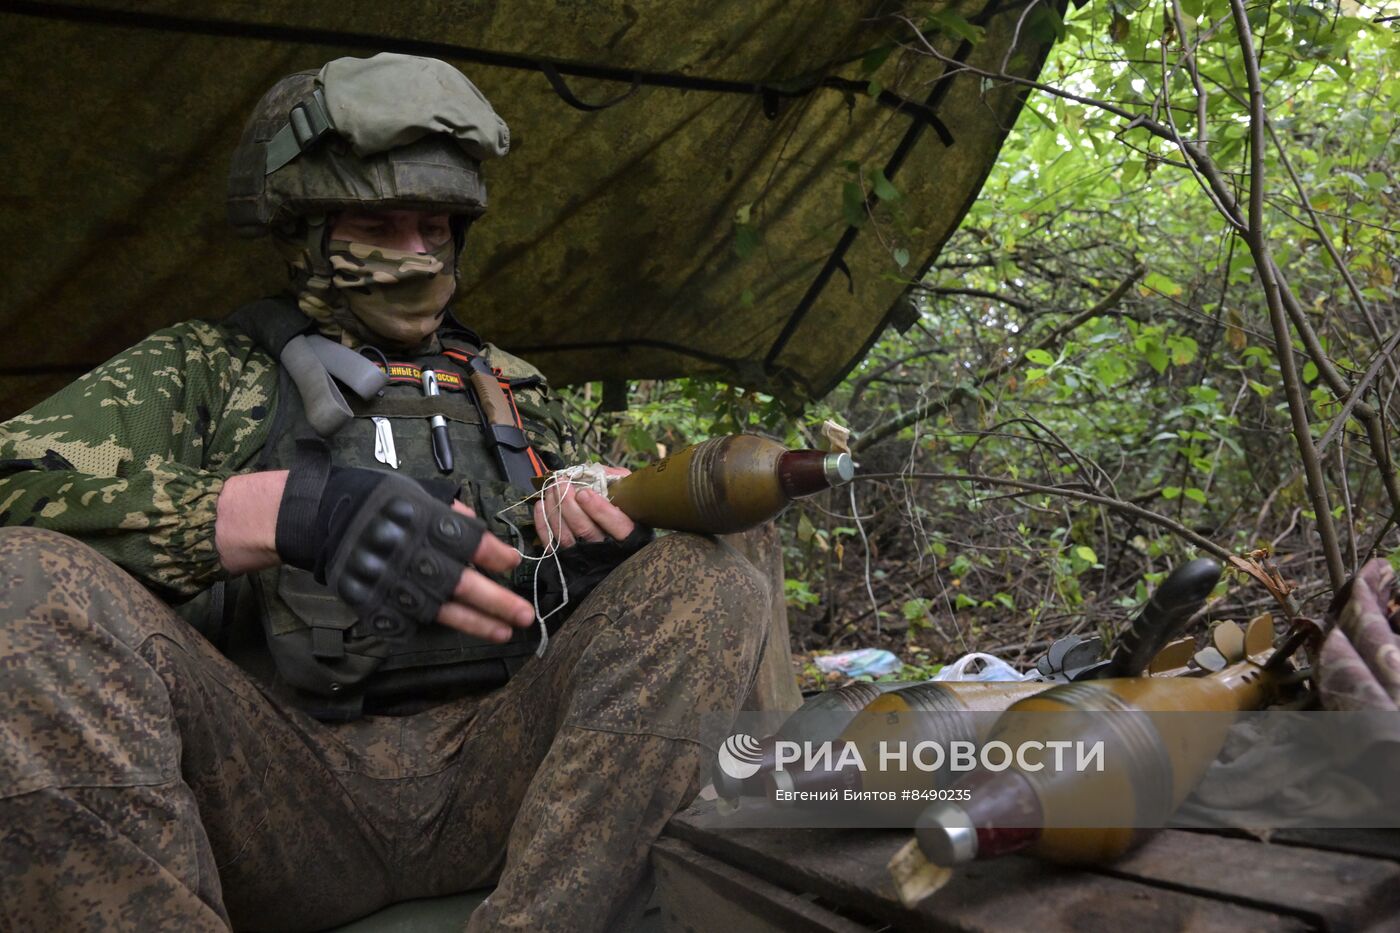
383	544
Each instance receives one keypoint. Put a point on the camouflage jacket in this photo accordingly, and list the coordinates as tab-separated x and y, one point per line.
130	459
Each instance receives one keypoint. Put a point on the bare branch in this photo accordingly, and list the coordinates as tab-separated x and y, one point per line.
1117	505
893	426
1278	316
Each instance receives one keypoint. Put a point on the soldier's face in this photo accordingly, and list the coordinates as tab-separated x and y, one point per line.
395	269
410	231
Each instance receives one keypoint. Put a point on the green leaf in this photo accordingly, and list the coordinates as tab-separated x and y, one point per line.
745	240
952	24
882	187
853	204
1171	492
1118	28
1045	24
1183	349
743	214
639	441
901	257
1086	554
1035	112
1042	357
874	88
1156	356
1195	495
1160	283
876	57
1309	371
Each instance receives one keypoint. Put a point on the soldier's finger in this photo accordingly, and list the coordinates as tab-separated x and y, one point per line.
583	527
605	515
463	509
540	520
563	537
494	554
476	592
548	522
471	622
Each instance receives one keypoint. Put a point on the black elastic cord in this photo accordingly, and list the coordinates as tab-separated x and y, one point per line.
556	81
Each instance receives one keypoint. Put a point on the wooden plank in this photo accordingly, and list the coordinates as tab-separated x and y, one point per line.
1333	890
848	867
1378	843
699	894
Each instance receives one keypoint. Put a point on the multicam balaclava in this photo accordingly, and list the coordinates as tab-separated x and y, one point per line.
391	132
374	294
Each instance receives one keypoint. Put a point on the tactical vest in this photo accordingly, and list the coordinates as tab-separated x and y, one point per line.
338	666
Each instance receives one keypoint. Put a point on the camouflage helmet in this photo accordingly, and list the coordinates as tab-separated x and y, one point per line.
391	132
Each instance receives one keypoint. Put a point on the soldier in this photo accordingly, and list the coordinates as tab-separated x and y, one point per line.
371	719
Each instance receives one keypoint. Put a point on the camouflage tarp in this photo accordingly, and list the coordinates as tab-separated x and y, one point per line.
610	247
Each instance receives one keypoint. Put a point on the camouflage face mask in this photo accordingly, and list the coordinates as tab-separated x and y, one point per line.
399	296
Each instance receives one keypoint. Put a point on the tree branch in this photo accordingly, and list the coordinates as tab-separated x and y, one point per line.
1278	317
1117	505
894	425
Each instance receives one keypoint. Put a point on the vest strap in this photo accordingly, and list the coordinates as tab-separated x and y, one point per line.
296	538
453	407
325	404
364	378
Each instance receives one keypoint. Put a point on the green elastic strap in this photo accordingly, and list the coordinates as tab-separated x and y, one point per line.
307	122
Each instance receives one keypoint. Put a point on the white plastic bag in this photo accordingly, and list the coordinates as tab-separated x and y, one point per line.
992	668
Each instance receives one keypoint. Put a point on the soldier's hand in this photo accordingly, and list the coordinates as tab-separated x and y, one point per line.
569	515
396	555
479	606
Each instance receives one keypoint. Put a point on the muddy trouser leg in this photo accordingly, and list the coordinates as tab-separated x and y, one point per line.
145	783
593	747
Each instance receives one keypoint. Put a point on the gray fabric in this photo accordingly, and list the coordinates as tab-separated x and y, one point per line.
391	100
363	377
326	408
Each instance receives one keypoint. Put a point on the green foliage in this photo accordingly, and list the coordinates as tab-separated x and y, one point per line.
1171	397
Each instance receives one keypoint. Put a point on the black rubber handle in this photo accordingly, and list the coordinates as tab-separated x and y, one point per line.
1163	618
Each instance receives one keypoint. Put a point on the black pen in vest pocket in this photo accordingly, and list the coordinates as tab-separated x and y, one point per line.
442	448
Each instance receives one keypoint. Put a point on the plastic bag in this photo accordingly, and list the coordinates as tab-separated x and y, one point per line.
992	668
863	661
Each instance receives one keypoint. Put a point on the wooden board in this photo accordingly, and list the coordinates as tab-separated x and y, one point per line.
1379	843
699	894
848	868
1334	891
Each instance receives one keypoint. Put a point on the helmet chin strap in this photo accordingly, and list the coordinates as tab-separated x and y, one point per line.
461	224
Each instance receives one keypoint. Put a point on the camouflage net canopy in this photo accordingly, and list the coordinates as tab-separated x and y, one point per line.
695	227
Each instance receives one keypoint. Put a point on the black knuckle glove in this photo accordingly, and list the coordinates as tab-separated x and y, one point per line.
382	543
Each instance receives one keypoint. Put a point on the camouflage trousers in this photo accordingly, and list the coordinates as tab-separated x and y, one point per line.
146	783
